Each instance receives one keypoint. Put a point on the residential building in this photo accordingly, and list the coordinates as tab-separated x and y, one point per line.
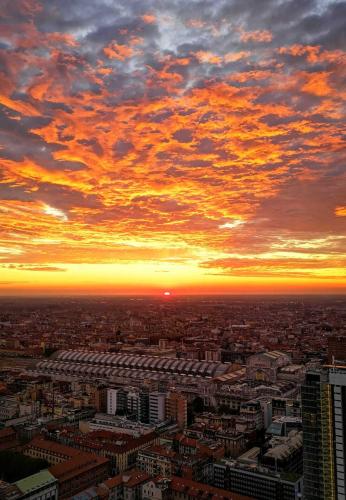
251	412
112	401
180	488
126	486
157	407
176	409
120	449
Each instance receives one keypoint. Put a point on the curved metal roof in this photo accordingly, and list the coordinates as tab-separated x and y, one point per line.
131	362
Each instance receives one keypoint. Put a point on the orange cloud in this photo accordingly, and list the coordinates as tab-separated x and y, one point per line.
149	18
117	51
259	36
208	57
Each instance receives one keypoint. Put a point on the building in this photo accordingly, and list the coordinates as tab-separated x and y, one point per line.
9	491
125	486
282	407
156	460
112	401
79	473
234	442
53	453
336	348
74	469
176	409
99	399
212	355
285	453
143	408
133	403
257	482
9	408
115	423
282	426
92	365
180	488
251	412
324	424
157	407
40	486
265	366
121	449
187	445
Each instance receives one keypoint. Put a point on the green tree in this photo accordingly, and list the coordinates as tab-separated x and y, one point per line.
15	466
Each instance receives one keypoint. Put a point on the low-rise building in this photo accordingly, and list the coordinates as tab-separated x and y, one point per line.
121	449
157	460
78	473
257	482
251	412
179	488
40	486
125	486
54	453
234	442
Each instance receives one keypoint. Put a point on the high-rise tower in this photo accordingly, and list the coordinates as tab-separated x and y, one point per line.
324	427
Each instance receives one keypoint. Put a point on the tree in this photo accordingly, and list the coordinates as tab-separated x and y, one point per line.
15	466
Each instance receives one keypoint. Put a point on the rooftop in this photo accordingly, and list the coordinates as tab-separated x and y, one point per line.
130	479
31	483
76	466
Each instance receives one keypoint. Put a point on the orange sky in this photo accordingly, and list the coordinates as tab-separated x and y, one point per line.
148	146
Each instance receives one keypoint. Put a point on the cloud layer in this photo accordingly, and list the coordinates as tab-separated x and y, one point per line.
210	133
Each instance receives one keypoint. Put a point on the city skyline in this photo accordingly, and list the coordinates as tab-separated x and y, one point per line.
151	147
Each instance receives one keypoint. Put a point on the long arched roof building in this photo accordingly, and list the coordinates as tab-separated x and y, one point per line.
105	365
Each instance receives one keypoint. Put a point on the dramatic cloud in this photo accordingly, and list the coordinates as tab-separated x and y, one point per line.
207	135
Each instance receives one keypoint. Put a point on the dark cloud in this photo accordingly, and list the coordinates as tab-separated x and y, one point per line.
183	135
27	267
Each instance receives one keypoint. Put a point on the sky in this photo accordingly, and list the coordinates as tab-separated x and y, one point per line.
154	145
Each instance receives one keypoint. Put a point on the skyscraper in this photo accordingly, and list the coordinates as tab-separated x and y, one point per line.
324	427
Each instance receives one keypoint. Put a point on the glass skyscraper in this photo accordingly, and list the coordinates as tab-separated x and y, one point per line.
324	427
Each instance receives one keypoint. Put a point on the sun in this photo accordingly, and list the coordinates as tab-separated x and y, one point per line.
167	294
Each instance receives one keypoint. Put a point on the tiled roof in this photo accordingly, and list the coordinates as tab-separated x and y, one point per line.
129	479
76	466
7	432
52	447
202	490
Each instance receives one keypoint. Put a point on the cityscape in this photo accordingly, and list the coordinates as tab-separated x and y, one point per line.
172	250
223	397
